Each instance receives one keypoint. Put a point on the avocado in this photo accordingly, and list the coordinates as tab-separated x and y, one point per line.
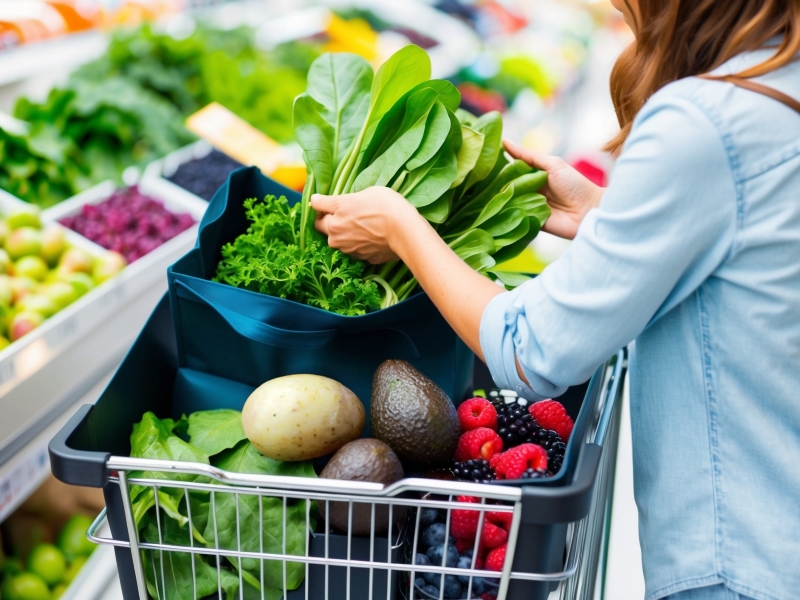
413	415
363	460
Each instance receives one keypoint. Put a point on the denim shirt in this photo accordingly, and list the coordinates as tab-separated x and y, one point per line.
694	251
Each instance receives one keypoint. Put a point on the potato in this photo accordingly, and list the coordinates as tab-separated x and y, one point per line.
300	417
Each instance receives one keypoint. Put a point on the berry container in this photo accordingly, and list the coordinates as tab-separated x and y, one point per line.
555	525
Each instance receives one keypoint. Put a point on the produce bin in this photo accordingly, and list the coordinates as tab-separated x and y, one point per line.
548	516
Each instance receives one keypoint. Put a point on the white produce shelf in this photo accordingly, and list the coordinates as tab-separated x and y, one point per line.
59	54
47	370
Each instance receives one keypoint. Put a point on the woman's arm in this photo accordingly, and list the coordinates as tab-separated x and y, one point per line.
378	225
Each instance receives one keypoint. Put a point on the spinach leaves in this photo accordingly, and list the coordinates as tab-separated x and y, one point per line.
443	160
400	129
219	520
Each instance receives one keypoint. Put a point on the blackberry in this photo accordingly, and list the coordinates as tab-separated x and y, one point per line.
516	426
534	474
477	470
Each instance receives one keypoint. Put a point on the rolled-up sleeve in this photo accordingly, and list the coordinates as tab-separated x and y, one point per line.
666	222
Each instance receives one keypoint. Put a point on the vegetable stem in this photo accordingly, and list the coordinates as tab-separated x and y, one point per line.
305	209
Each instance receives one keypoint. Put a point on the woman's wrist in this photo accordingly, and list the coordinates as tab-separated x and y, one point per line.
406	227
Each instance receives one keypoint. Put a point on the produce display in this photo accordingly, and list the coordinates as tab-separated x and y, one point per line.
40	274
127	108
128	222
214	437
86	133
48	569
204	176
403	130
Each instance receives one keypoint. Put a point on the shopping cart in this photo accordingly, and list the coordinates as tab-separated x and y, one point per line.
556	539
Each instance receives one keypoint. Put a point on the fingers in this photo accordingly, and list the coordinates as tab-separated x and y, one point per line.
323	223
324	204
532	157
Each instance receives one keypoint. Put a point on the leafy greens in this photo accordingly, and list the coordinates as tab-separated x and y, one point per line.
220	520
399	129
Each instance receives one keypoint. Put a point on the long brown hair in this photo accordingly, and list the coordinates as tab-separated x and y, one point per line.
680	38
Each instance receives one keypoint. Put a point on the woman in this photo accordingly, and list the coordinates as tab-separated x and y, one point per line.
694	251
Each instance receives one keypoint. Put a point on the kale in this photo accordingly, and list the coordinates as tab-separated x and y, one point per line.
267	258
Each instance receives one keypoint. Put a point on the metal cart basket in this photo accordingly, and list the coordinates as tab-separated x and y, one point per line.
271	539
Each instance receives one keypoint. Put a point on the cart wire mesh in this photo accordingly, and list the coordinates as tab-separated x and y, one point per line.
271	538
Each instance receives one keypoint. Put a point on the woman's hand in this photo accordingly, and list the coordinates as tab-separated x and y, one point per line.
569	194
366	225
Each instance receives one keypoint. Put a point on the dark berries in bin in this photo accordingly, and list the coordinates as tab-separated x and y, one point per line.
421	559
534	474
434	535
452	587
436	553
420	582
428	516
477	470
203	176
430	591
464	562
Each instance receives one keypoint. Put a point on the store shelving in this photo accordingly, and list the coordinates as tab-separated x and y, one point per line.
59	54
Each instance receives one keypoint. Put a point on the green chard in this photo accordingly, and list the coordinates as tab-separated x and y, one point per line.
221	520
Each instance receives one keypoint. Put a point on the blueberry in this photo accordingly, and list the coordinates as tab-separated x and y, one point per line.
419	582
421	559
436	553
478	585
428	517
464	562
452	587
434	535
469	552
431	591
433	578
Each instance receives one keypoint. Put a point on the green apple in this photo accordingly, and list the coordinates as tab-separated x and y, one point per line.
23	323
6	265
6	293
80	282
75	260
26	586
48	562
21	287
37	303
61	293
25	241
54	242
4	231
111	264
32	267
25	216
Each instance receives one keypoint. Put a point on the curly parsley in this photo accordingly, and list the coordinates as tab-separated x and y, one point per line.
268	259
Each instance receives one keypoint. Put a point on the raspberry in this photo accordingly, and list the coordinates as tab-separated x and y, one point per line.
511	464
492	536
478	443
501	519
477	412
496	558
463	522
551	414
464	546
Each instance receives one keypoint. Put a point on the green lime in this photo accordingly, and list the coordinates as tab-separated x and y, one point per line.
47	562
26	586
73	569
72	539
59	590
